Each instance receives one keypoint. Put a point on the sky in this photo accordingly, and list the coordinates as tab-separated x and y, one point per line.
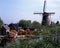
11	11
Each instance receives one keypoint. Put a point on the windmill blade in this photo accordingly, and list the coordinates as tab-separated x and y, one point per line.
38	13
44	7
51	13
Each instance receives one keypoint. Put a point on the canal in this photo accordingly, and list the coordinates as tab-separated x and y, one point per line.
42	41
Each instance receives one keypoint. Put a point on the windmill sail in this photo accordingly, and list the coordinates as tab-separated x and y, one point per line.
44	7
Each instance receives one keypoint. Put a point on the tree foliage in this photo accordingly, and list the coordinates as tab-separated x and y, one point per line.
36	24
24	23
1	22
12	26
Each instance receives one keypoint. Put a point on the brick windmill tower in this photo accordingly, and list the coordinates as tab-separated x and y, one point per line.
45	19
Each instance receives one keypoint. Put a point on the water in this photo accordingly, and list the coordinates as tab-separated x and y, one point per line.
18	43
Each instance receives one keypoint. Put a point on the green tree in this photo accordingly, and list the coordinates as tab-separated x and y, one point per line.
1	22
24	23
12	26
57	22
36	24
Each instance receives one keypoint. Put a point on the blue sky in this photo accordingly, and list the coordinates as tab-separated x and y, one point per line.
11	11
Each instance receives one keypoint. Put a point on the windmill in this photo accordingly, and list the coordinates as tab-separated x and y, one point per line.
45	19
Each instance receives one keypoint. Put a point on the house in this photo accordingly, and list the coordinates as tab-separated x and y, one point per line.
4	29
